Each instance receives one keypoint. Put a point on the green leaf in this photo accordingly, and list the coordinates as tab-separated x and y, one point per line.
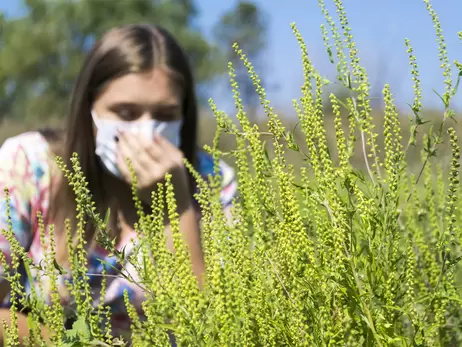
71	334
266	156
96	342
71	344
291	142
331	56
81	328
106	218
58	267
456	87
442	99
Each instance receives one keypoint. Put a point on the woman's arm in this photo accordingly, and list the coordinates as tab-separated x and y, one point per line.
189	228
4	289
23	327
188	223
19	174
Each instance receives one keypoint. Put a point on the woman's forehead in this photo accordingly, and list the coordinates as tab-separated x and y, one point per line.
145	88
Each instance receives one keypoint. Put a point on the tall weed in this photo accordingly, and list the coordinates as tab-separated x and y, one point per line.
325	256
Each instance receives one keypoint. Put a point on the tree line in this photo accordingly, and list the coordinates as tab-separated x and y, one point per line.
42	50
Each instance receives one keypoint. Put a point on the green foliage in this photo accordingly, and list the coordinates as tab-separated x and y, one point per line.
326	256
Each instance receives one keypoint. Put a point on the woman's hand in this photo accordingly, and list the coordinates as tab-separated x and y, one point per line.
151	160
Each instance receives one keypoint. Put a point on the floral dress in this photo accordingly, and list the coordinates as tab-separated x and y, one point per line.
26	171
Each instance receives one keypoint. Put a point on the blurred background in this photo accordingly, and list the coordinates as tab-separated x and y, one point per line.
43	42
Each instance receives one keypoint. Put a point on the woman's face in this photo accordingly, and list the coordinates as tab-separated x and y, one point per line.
140	96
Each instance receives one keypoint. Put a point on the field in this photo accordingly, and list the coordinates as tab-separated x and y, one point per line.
347	232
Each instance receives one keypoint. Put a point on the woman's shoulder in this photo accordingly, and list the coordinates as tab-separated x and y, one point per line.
206	166
30	141
26	151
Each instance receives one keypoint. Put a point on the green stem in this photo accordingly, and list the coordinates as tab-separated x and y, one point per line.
361	293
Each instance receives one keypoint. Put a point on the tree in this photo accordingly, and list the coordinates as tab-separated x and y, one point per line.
41	53
245	25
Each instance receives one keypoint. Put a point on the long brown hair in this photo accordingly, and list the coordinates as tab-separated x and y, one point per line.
123	50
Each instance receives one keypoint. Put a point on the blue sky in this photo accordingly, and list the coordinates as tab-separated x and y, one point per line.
379	27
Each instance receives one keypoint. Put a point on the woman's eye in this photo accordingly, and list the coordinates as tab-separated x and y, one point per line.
125	114
166	117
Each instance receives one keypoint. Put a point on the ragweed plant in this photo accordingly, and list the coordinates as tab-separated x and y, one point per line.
328	256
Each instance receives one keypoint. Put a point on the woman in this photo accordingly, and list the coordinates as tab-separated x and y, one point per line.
134	98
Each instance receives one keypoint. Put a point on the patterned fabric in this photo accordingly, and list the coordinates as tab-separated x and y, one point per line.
26	171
